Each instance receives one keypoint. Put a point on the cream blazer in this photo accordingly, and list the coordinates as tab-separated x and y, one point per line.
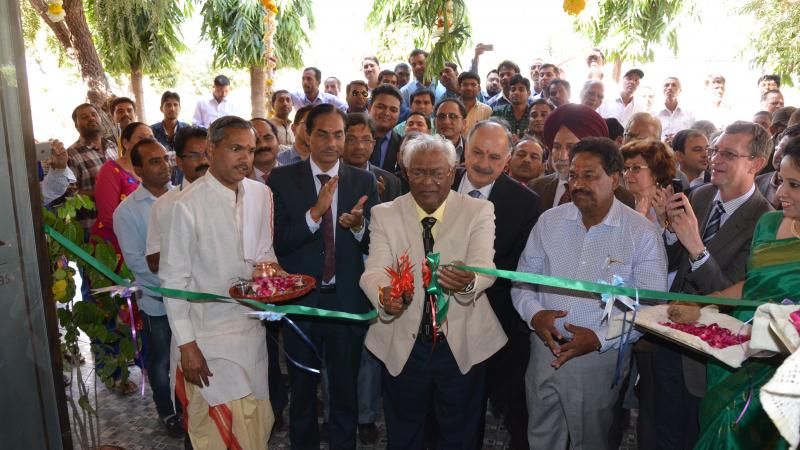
465	233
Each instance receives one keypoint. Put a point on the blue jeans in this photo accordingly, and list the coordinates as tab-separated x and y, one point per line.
157	336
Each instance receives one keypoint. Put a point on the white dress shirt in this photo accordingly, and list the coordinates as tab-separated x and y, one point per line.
208	110
215	236
674	121
465	187
616	108
625	243
561	187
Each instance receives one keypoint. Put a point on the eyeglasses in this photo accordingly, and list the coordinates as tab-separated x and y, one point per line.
419	175
726	155
194	156
451	116
352	140
364	94
635	169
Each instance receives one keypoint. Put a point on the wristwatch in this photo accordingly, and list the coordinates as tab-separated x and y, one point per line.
702	255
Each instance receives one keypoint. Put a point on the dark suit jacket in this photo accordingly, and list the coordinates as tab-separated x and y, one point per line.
390	161
726	265
516	210
300	251
391	184
763	184
546	188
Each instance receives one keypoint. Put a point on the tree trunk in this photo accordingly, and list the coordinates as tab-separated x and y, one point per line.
258	101
138	93
617	73
73	33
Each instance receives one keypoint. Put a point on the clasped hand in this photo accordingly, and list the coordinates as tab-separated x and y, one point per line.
583	339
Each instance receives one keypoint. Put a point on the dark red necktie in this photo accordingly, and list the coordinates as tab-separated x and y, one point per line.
329	265
565	197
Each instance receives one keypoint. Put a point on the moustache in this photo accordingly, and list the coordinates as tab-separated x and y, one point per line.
575	192
481	170
201	168
262	149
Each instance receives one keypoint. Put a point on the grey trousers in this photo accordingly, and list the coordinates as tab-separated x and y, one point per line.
573	404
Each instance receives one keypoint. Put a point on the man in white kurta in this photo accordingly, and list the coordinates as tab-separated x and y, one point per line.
218	229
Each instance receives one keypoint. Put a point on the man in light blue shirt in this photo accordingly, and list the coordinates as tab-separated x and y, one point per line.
570	379
312	77
417	59
151	163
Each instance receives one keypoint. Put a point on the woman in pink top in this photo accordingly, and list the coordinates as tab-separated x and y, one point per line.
115	181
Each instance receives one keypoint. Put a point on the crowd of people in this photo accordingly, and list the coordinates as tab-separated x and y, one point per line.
500	172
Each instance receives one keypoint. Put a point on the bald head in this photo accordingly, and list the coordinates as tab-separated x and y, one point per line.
642	126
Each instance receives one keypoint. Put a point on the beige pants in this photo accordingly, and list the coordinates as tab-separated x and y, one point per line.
249	423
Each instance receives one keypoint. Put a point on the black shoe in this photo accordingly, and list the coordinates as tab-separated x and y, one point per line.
174	426
368	433
323	432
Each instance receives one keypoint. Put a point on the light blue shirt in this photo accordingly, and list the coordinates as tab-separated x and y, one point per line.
414	85
299	100
288	156
625	243
130	226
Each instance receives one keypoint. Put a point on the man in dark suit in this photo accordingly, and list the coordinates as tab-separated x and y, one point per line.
384	109
713	230
516	209
358	144
564	128
358	148
321	212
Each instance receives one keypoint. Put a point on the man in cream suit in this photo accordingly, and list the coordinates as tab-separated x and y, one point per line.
426	361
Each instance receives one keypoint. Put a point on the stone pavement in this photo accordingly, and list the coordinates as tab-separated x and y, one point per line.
132	423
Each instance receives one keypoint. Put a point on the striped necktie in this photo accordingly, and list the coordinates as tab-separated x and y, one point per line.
713	222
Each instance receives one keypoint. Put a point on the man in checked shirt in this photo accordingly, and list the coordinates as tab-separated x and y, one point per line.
569	382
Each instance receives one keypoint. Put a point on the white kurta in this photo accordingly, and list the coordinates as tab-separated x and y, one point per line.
214	238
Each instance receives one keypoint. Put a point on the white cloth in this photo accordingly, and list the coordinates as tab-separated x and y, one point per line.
215	236
780	398
208	110
616	108
157	225
674	121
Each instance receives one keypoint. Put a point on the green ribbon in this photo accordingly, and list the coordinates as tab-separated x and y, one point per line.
442	301
599	288
202	296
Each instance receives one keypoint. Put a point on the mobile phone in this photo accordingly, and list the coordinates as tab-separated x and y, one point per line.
488	47
43	151
677	185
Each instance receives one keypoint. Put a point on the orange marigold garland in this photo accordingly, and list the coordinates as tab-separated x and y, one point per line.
574	7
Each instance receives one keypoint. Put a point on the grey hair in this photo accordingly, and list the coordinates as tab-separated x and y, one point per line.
493	121
760	143
216	132
425	142
590	84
